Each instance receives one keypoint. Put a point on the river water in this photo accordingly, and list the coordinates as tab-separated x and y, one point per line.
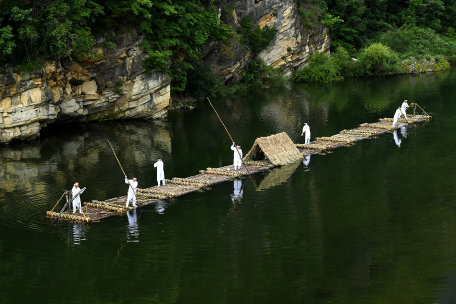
371	223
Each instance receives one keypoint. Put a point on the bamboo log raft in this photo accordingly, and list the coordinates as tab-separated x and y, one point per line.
97	210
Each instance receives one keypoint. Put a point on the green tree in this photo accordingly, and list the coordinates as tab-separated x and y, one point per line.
378	59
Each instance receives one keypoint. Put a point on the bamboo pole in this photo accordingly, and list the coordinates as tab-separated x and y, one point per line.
59	200
232	140
122	169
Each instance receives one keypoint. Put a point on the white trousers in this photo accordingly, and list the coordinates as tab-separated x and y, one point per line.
161	178
307	141
395	121
77	203
237	164
130	197
404	113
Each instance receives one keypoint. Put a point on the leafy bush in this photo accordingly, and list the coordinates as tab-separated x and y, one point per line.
378	59
320	69
410	40
258	38
259	75
342	61
76	82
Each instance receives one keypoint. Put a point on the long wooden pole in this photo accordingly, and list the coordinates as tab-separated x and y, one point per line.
232	140
122	169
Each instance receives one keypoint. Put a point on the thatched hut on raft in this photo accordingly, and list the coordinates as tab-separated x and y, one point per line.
277	148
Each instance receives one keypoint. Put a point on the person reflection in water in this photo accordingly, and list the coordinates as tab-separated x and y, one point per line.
396	139
404	131
133	232
306	162
237	194
78	233
160	207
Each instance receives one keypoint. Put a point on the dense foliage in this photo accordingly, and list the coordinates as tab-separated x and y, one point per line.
258	38
175	30
379	34
354	24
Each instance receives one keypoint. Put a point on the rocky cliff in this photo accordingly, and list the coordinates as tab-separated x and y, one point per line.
289	49
110	86
114	85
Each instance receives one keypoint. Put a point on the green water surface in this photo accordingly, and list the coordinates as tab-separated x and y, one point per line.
371	223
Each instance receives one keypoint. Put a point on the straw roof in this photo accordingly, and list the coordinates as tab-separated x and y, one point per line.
278	148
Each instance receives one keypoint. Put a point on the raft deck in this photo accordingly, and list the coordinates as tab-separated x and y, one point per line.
97	210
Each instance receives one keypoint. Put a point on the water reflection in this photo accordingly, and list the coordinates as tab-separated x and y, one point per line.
404	131
160	207
306	162
398	140
38	171
132	228
236	196
78	233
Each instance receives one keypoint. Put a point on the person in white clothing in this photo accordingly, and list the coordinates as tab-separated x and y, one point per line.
306	129
132	185
77	199
404	108
160	171
237	156
396	116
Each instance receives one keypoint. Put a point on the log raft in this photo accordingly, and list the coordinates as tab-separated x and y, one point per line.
266	153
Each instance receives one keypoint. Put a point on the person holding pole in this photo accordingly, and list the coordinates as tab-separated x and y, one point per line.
76	198
160	171
237	161
133	184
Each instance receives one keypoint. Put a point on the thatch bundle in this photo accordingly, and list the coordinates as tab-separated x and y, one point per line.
410	119
71	217
160	192
314	146
105	207
278	149
361	132
224	171
379	125
152	195
186	182
338	138
257	163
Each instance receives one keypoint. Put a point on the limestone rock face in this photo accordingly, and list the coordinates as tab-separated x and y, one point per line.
289	50
114	86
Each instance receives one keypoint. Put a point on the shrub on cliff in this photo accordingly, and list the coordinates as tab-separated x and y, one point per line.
378	59
256	37
260	75
321	68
